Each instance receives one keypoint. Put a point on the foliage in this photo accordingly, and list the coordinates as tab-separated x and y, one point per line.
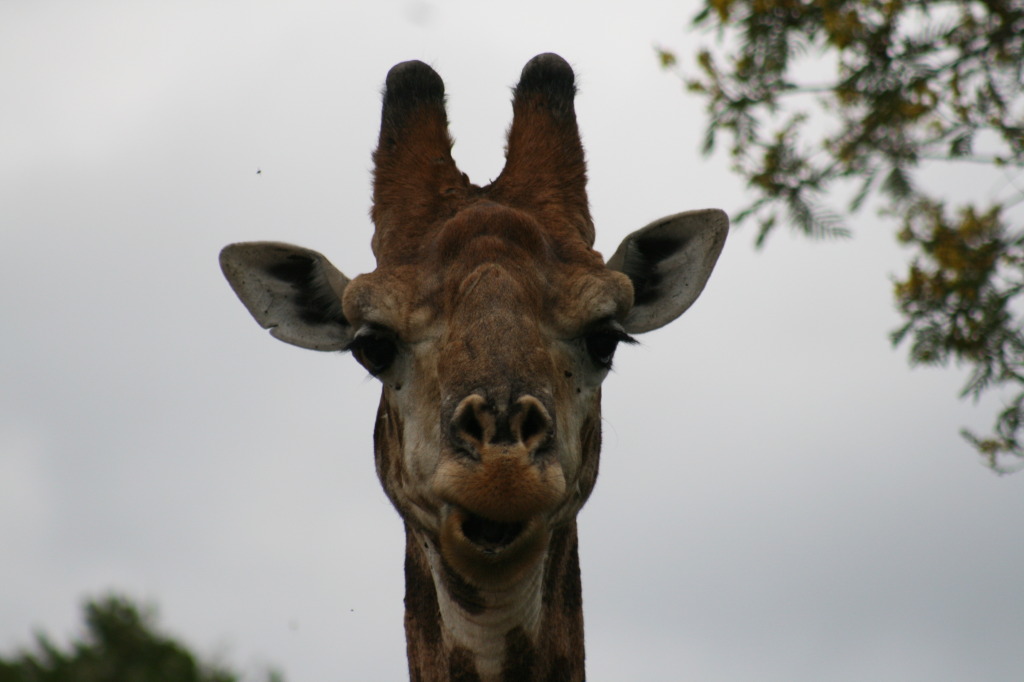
909	86
121	644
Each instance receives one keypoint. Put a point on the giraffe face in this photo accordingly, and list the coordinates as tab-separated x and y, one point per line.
490	320
491	355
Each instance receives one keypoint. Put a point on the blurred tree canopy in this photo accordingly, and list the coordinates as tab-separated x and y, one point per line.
825	102
121	644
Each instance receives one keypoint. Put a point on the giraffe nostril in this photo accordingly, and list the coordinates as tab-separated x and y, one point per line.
471	423
468	423
531	424
475	425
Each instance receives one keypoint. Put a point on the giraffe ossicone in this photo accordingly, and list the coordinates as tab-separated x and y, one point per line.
490	322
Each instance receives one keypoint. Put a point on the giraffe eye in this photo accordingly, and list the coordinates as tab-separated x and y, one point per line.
374	348
601	345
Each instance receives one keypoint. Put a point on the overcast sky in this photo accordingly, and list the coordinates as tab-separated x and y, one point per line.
781	498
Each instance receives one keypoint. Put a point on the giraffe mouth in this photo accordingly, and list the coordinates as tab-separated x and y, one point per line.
489	552
490	536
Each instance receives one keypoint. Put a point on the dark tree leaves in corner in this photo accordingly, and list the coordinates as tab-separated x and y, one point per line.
121	644
909	86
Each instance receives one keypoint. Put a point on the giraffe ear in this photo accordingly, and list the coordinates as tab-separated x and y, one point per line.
669	262
293	292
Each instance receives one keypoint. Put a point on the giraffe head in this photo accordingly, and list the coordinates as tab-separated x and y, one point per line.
490	320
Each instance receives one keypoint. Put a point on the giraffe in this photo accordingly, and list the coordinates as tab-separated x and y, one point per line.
490	322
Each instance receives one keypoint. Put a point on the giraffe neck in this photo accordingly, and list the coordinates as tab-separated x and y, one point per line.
532	630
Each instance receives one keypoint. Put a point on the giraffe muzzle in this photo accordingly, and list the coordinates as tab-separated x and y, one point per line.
497	468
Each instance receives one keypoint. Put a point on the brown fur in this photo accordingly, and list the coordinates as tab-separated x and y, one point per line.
424	643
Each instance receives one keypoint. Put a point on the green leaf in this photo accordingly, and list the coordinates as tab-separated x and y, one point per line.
897	184
897	85
962	145
862	193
